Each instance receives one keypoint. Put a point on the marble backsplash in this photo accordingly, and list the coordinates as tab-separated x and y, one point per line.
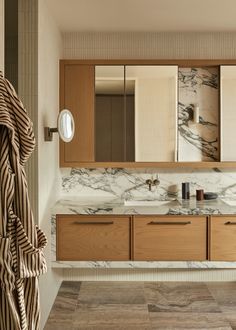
111	183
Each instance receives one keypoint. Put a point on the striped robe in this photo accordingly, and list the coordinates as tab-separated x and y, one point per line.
21	241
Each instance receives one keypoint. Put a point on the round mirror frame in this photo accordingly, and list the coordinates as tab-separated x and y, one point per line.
60	128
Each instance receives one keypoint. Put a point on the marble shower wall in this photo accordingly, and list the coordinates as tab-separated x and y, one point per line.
113	183
198	141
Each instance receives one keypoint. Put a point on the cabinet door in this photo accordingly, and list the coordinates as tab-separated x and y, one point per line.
77	95
223	238
93	238
170	238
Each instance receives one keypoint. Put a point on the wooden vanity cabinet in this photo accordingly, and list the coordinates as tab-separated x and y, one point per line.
169	238
145	238
85	238
222	238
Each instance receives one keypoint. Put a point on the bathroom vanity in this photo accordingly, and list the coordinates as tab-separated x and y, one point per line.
174	235
147	113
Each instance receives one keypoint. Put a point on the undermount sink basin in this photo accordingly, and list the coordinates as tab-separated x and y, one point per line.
145	203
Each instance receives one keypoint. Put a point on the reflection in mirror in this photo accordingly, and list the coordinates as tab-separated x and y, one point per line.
155	98
136	113
198	114
66	126
114	115
228	113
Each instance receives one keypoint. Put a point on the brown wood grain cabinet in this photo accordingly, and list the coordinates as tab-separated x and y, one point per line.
145	238
170	238
93	237
223	238
77	95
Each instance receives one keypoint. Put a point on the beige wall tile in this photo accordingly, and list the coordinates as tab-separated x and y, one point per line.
169	45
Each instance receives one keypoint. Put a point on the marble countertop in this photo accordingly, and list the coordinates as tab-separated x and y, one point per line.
115	206
95	205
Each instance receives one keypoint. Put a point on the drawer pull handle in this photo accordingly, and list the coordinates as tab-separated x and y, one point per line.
230	223
169	223
93	223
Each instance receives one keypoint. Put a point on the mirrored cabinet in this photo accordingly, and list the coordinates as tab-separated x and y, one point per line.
135	113
149	113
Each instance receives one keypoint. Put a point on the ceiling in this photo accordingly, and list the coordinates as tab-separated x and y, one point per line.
144	15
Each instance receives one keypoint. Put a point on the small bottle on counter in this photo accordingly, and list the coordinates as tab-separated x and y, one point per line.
185	190
199	194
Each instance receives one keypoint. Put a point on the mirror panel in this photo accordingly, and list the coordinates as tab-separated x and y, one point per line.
155	98
112	119
198	114
136	113
228	112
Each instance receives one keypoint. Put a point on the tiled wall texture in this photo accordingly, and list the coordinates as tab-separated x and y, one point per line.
49	53
154	45
28	81
39	53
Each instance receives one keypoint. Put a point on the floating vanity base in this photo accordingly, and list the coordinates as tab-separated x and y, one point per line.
128	236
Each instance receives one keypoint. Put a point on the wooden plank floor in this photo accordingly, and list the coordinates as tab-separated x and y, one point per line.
144	305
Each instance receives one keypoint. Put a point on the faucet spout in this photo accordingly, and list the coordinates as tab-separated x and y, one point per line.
151	182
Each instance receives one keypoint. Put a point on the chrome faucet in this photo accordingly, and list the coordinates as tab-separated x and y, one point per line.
151	182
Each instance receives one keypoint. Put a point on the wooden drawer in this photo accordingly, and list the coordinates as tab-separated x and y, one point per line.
93	237
170	238
223	238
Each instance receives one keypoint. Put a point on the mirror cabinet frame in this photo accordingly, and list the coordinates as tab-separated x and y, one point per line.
70	153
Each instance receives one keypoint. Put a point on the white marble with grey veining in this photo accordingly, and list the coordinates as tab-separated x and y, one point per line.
105	183
198	141
145	264
117	207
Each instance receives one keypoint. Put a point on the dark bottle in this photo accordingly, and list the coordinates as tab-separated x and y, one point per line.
185	190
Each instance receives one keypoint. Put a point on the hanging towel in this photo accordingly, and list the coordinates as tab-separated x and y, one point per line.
21	241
